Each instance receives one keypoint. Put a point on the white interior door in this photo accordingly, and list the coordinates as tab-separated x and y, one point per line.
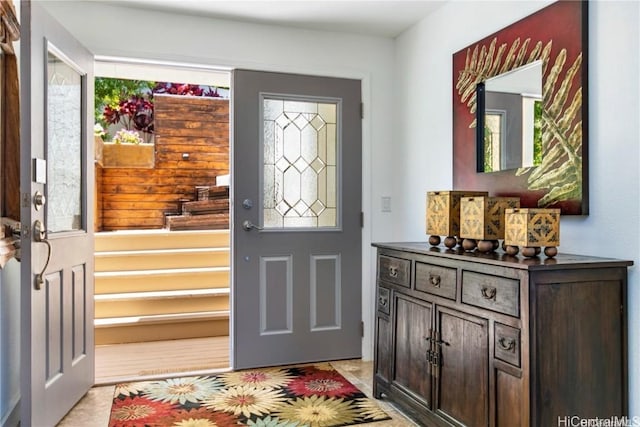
296	168
57	241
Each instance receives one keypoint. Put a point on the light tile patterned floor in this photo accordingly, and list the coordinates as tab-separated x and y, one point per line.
361	375
93	409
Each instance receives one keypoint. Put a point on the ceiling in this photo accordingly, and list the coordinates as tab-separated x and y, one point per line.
377	18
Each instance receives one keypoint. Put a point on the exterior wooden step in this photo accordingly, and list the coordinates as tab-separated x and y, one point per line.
114	282
153	259
219	192
200	207
213	221
160	239
119	330
160	302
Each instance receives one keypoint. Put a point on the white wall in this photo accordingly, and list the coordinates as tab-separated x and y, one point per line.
115	31
424	124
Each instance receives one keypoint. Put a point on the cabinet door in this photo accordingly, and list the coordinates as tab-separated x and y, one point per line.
462	382
579	330
413	321
383	348
383	353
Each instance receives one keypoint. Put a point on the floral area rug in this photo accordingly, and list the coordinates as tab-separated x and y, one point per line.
300	396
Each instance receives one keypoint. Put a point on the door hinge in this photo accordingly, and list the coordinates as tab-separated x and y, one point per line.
361	219
25	231
362	110
361	328
26	200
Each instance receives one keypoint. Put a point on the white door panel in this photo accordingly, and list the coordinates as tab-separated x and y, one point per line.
57	240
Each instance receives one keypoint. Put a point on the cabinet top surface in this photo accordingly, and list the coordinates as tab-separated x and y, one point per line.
499	257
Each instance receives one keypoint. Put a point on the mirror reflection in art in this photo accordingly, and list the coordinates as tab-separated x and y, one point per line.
511	119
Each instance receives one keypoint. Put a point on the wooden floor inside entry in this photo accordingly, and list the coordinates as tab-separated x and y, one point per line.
139	361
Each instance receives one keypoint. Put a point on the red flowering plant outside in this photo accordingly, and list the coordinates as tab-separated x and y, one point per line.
136	115
128	105
185	89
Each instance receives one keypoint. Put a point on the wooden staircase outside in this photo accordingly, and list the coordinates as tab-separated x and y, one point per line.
209	212
155	285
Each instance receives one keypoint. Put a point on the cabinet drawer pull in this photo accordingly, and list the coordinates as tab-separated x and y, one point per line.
383	300
507	344
488	292
393	271
434	279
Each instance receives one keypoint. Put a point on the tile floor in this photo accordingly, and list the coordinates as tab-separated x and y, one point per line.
93	409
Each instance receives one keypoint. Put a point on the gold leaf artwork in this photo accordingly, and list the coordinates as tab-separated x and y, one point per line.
560	172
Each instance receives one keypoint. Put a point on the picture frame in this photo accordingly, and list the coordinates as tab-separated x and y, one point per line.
558	36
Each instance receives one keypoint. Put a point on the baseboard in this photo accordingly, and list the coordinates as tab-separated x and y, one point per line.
12	419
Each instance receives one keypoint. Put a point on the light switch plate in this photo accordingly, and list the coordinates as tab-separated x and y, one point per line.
386	203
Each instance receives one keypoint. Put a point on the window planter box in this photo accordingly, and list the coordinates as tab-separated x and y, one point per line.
110	155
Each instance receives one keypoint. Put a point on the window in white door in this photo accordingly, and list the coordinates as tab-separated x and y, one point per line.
64	145
300	163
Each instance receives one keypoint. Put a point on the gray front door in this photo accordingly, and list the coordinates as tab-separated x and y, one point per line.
57	219
296	244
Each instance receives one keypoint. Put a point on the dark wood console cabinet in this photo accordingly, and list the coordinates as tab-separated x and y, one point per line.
470	339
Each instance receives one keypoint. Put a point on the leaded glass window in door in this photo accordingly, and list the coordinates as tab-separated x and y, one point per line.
300	163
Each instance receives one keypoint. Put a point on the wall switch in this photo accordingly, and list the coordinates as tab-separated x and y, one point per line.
386	204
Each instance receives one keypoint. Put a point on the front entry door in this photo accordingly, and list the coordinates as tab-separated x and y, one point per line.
296	219
57	238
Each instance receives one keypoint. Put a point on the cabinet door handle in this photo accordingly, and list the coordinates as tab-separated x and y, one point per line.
437	362
488	292
434	279
393	271
507	344
438	339
382	300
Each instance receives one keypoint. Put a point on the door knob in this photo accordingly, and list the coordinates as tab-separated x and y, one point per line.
39	200
248	225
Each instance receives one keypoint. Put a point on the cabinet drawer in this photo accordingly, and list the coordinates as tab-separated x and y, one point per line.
507	344
383	300
492	292
436	280
394	270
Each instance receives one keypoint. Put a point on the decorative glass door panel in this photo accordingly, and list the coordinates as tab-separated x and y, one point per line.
300	165
64	145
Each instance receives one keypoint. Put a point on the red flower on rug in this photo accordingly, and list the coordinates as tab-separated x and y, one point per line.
138	411
322	383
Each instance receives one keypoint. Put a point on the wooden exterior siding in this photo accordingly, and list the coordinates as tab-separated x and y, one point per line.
140	198
98	199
